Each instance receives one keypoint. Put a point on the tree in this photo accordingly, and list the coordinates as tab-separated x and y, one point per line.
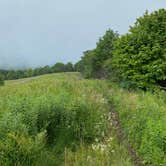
79	66
19	74
11	75
45	70
103	52
58	67
69	67
92	64
87	60
1	80
29	73
140	55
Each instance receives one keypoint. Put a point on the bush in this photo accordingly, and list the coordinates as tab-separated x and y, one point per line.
1	80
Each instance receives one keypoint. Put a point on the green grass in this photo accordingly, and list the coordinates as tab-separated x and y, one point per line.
49	119
63	119
143	118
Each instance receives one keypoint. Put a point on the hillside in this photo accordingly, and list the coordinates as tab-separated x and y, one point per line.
63	119
54	119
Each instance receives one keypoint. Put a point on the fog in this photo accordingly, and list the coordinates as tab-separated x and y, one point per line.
39	32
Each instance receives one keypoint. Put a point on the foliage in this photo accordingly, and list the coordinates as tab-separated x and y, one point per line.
85	64
136	59
58	67
140	55
103	52
92	63
143	119
1	80
20	149
17	74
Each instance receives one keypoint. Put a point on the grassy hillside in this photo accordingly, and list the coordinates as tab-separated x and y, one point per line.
63	119
57	119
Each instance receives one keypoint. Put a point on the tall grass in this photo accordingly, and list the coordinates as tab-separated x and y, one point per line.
41	117
143	118
62	119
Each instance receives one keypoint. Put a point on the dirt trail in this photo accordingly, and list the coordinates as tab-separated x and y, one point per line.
120	136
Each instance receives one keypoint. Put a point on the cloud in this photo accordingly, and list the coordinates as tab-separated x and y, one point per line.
39	32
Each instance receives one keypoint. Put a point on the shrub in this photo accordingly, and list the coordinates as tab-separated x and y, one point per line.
1	80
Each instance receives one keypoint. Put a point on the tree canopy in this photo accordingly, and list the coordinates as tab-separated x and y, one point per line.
92	62
1	80
140	55
136	59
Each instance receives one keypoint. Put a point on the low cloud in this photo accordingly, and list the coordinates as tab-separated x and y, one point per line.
12	63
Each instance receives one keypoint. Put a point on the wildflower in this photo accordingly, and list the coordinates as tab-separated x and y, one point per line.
103	148
96	140
110	139
112	151
93	147
88	158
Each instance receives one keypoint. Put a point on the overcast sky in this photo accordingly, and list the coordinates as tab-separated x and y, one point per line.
40	32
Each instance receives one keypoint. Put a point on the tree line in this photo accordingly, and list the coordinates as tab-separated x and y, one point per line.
136	59
17	74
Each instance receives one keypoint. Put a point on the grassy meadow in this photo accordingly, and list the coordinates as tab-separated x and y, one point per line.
65	120
51	119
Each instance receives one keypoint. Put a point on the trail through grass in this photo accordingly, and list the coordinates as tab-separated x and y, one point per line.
65	120
57	119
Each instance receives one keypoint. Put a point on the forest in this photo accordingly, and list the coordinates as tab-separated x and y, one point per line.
12	74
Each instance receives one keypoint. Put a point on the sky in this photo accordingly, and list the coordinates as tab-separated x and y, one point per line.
42	32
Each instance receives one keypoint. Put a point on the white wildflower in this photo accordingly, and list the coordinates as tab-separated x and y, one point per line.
112	151
96	140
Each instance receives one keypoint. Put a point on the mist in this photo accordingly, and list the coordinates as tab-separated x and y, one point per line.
37	32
